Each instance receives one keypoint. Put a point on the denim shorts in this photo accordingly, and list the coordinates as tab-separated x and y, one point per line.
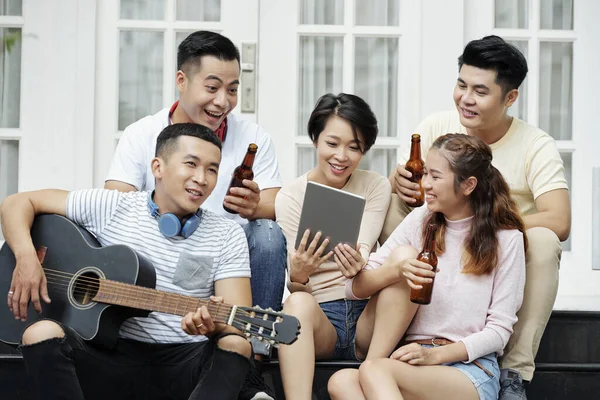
343	315
487	386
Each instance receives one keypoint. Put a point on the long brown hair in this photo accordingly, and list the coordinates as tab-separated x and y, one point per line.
490	201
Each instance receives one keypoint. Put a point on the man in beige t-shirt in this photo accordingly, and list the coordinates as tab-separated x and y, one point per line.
490	73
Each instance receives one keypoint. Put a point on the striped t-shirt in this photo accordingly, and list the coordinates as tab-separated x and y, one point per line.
217	250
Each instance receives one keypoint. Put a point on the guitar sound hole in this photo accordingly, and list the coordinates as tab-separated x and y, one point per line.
86	287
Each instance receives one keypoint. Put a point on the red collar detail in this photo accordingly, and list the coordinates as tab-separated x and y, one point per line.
221	131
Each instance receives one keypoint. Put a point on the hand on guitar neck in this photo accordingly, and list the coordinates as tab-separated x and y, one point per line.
200	322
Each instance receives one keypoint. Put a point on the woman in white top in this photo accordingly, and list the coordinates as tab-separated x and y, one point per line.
452	344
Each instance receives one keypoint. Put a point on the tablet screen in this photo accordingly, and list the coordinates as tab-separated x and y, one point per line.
334	212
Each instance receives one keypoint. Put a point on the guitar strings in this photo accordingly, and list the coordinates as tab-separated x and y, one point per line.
59	278
94	284
221	316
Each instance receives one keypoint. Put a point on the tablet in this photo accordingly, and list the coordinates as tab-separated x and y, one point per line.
337	214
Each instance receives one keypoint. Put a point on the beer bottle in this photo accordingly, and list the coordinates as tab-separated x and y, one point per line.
241	172
415	166
423	295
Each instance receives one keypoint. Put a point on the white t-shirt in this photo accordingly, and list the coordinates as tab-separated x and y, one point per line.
217	250
137	146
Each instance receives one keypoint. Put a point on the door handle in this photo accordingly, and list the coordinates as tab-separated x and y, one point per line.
248	78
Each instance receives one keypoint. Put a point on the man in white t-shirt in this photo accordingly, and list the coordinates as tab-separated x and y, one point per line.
490	73
208	70
158	356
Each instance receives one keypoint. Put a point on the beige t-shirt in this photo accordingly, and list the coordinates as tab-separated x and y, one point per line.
526	156
327	282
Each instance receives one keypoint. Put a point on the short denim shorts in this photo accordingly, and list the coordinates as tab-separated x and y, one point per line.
343	315
487	386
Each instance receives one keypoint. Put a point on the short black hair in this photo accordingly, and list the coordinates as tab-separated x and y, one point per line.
204	43
167	139
349	107
494	53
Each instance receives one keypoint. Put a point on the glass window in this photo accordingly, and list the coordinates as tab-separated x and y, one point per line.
511	14
519	109
194	10
307	159
321	12
9	169
556	89
143	9
11	7
377	12
10	77
376	79
379	160
140	75
321	60
556	14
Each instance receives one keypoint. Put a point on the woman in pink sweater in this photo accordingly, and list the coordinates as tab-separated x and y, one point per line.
452	344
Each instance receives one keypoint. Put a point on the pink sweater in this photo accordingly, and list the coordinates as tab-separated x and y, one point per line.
479	310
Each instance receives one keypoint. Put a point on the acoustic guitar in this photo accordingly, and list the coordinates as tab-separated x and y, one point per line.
94	289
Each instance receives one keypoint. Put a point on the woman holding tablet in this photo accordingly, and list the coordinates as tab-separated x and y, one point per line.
452	343
342	129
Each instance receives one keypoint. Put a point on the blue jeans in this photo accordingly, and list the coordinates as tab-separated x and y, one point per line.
268	261
343	315
487	386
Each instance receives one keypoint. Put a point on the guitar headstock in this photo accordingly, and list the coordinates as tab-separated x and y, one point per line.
269	325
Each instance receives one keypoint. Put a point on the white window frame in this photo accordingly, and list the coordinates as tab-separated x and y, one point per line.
278	16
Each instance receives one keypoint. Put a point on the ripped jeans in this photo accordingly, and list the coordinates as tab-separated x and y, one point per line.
268	262
70	368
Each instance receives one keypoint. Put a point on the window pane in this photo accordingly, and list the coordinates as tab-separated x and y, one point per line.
376	79
556	14
519	109
321	60
194	10
377	12
379	160
307	159
140	75
10	77
11	7
322	12
568	162
9	169
556	71
511	14
143	9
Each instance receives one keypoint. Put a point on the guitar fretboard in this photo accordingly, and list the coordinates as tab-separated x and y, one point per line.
123	294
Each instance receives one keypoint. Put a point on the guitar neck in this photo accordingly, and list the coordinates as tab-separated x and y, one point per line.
123	294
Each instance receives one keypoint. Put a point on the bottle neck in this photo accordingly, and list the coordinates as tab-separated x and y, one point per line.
415	149
248	160
429	244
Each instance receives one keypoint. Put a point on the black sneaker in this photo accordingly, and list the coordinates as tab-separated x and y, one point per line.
255	387
511	385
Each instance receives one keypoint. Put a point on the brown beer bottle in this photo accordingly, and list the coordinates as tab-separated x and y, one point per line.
241	172
415	166
423	295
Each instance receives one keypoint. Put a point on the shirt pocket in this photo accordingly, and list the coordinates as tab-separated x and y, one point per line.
193	272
